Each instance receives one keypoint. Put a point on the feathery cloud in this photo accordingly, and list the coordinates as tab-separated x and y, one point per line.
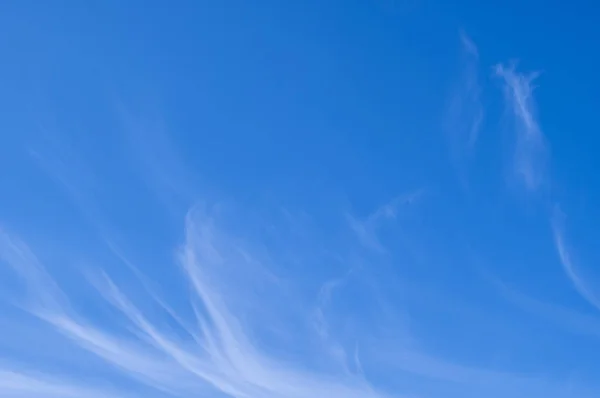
219	350
366	230
567	263
464	112
531	152
220	357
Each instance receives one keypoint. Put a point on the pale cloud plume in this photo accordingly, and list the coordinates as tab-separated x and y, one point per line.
571	320
468	44
367	229
567	262
464	112
531	152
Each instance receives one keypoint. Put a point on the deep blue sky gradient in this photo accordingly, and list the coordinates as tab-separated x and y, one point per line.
322	149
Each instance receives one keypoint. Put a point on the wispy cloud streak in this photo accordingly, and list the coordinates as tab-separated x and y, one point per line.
567	262
464	113
366	229
216	349
20	385
531	150
221	358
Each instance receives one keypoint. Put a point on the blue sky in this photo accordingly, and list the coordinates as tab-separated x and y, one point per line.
368	198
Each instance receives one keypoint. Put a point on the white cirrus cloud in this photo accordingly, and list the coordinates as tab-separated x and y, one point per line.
566	259
464	112
531	151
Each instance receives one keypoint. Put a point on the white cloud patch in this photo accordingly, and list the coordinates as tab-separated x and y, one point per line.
531	152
